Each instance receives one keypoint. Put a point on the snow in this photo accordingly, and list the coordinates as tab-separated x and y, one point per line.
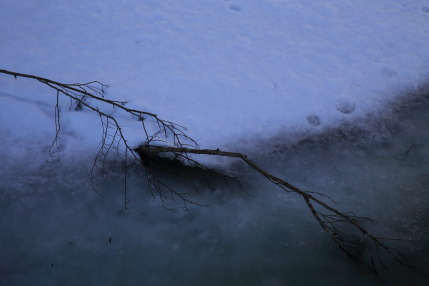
240	75
225	69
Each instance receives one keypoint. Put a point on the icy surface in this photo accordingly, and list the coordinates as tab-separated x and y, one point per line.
56	230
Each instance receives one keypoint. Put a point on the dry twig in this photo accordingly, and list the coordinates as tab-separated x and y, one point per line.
332	220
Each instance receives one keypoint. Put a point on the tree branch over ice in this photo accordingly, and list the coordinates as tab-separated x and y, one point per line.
362	245
92	96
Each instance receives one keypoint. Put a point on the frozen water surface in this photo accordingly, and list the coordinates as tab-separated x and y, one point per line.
56	229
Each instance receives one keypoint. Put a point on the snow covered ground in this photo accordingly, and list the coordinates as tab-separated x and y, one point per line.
224	69
238	74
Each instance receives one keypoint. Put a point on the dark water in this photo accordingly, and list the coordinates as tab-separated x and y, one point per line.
55	230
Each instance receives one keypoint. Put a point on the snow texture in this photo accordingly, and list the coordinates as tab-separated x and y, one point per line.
224	69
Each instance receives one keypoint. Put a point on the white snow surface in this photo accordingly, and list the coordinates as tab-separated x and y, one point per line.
224	69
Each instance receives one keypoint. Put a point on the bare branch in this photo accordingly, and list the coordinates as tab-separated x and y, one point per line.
87	95
330	222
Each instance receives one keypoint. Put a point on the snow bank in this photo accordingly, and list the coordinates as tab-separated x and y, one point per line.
224	69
